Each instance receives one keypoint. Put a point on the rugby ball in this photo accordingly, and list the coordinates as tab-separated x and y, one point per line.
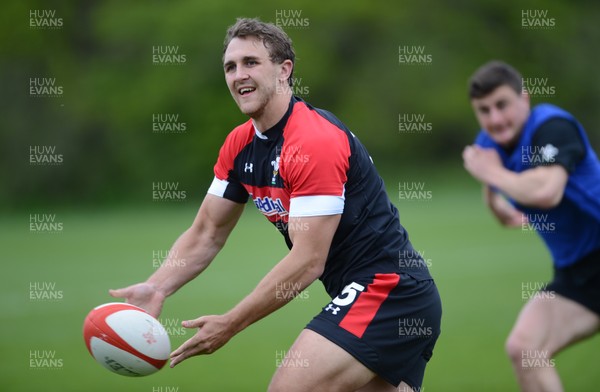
126	339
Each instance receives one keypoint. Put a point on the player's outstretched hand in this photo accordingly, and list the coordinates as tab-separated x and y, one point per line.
144	295
213	333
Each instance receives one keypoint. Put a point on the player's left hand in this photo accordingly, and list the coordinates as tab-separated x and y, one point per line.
481	163
213	333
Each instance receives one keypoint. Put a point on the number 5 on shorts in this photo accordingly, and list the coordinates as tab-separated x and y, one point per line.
348	294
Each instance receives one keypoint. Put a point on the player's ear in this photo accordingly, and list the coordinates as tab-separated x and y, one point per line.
287	66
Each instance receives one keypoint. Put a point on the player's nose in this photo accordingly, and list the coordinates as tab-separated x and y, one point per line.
495	117
240	74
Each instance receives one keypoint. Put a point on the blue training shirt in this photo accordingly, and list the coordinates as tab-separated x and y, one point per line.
571	230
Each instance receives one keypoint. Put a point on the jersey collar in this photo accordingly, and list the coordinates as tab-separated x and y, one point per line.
276	129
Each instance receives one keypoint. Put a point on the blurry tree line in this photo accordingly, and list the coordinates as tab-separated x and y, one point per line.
142	96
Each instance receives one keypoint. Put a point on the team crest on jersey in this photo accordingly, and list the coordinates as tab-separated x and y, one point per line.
275	164
269	207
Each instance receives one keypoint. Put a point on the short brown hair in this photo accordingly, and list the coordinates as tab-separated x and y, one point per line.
273	37
492	75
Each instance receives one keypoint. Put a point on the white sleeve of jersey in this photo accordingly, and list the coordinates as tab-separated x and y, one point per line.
218	187
304	206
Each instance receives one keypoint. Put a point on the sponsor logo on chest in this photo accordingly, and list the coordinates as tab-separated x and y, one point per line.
269	206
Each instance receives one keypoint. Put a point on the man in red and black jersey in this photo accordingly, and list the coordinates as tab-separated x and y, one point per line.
313	179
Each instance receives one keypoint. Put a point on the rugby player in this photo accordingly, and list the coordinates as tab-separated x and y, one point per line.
313	179
539	172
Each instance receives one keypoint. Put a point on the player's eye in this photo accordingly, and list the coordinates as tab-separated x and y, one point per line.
229	68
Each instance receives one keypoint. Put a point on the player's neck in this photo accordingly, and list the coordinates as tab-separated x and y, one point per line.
274	111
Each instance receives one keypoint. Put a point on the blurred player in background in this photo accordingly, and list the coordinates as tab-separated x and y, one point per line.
540	172
313	179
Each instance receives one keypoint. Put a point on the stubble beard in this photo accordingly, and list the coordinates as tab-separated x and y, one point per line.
264	101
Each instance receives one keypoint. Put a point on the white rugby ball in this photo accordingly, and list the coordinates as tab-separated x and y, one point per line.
126	339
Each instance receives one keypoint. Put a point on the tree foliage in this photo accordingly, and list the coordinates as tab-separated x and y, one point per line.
348	61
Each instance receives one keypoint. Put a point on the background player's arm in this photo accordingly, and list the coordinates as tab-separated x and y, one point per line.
192	253
506	214
304	263
540	187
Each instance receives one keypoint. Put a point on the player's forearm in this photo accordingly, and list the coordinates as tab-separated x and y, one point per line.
504	212
188	257
530	187
283	283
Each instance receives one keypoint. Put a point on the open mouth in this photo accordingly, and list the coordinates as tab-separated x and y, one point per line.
246	91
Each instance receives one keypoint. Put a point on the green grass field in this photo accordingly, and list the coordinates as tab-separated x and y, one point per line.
478	266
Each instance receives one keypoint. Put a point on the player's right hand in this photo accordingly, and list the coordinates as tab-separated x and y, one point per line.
144	295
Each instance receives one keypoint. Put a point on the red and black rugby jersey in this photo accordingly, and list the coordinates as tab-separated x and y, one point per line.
310	164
